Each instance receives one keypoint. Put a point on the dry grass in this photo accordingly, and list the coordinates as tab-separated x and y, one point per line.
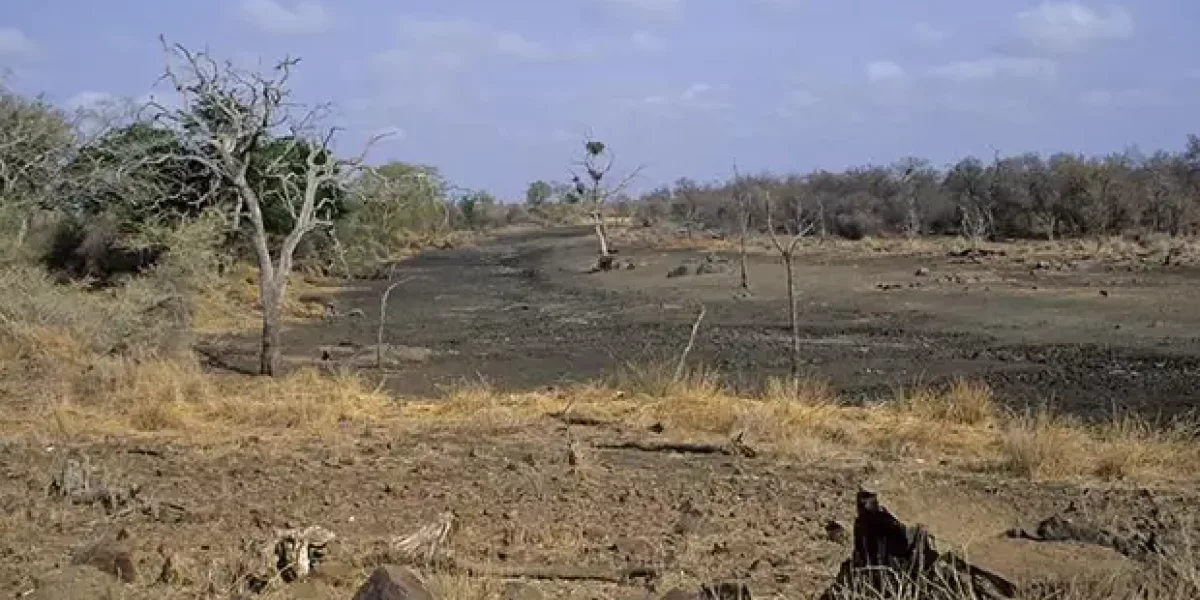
1109	249
64	388
65	373
965	402
231	305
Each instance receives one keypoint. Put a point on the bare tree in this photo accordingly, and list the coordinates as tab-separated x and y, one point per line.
742	201
35	142
597	163
226	114
795	230
968	182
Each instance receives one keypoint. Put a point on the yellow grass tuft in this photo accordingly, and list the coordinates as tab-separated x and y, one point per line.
965	402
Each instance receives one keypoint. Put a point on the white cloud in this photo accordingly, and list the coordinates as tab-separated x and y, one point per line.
928	34
15	45
305	17
884	70
1069	26
647	42
996	67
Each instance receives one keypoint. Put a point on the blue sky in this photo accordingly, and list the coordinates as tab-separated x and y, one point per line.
501	93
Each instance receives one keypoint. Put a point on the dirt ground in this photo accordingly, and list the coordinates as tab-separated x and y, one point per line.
521	505
541	496
1086	336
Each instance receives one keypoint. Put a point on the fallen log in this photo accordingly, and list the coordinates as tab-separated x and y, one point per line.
734	448
893	560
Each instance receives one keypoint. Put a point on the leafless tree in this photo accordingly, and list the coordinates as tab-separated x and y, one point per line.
796	230
35	142
226	114
597	164
742	200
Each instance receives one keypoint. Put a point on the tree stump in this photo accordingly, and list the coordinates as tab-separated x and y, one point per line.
892	560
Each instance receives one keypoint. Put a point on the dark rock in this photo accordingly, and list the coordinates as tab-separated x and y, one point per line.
112	555
390	582
836	532
680	271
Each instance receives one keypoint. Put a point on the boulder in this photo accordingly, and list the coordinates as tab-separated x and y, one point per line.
390	582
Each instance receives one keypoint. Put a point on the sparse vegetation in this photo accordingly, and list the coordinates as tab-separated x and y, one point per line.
132	244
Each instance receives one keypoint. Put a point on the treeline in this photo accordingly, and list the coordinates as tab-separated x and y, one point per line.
96	193
1026	196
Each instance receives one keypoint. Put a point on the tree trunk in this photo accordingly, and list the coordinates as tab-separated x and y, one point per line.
601	233
745	279
792	316
272	331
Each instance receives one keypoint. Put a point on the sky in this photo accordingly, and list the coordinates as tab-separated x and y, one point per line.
499	93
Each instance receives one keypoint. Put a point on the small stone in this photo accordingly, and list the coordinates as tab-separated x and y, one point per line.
113	555
390	582
835	532
680	271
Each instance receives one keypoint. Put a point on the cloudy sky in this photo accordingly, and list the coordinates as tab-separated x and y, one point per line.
498	93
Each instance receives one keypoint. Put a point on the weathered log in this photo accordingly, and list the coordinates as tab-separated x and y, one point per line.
893	560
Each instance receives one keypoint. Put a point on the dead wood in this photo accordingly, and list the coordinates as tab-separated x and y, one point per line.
893	560
549	572
735	447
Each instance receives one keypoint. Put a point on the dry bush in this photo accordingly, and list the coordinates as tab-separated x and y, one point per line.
965	402
122	396
139	317
1040	444
657	377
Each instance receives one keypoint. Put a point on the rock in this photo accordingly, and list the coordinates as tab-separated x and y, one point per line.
835	532
680	271
390	582
713	268
515	590
922	272
76	582
112	555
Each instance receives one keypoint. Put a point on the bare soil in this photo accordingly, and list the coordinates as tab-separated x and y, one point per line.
521	312
522	506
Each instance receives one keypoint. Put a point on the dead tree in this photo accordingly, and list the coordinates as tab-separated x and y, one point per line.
597	164
796	230
742	201
226	115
